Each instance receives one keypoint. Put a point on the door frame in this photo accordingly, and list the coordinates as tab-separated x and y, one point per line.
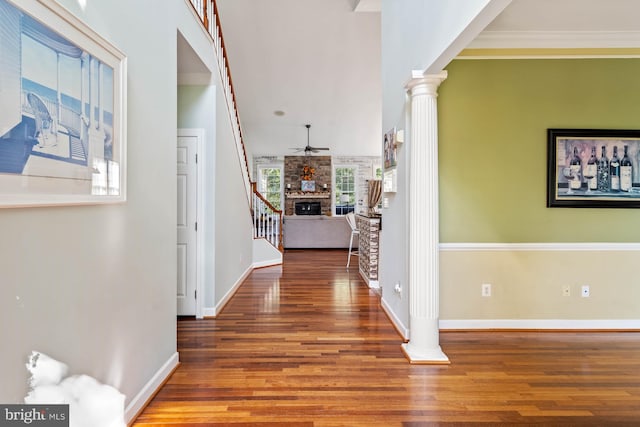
199	134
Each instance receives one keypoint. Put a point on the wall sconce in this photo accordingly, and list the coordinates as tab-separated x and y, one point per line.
324	186
288	186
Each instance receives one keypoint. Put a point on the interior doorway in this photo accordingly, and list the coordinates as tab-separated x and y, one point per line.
189	295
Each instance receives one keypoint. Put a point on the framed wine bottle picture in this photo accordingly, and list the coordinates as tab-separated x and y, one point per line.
593	168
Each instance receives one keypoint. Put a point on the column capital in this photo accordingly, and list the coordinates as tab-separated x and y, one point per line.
425	83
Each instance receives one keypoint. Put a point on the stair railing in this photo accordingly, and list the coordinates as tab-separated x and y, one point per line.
207	11
267	220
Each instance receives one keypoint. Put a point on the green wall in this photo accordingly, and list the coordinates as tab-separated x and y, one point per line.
493	118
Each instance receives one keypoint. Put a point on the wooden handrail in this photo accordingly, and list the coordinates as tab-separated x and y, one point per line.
254	186
257	202
233	92
204	19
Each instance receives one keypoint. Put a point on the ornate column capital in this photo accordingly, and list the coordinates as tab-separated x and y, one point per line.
425	84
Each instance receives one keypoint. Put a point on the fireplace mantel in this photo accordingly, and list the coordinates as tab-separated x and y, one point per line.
307	194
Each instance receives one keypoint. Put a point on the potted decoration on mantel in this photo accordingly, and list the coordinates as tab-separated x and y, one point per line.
307	183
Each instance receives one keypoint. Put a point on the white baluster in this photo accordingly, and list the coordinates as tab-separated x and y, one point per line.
255	217
261	221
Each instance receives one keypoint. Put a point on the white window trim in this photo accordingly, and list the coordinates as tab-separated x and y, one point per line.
333	186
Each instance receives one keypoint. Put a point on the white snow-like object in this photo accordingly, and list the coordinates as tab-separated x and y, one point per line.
91	404
45	370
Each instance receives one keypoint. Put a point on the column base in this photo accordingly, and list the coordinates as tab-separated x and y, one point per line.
433	356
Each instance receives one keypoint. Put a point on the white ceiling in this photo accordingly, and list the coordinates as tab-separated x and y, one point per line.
569	15
315	60
564	24
318	61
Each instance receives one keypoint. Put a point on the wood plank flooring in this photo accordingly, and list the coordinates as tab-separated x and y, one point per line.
307	344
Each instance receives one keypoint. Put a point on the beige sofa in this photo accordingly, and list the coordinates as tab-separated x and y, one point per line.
316	231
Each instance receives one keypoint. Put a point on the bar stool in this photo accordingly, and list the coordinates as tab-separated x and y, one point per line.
351	219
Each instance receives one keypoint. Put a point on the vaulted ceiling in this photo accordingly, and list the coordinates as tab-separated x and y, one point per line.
317	61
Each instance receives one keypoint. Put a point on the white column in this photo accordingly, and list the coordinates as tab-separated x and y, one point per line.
424	281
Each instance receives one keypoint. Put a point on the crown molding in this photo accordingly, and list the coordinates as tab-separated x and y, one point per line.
542	53
555	39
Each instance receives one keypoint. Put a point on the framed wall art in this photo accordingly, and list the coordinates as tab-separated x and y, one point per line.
390	149
62	109
593	168
307	185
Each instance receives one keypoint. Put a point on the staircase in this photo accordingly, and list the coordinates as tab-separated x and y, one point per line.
267	220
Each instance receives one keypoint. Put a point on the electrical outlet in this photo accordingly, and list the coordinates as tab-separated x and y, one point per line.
486	289
566	291
398	289
586	292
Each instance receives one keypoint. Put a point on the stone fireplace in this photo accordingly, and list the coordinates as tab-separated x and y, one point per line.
293	166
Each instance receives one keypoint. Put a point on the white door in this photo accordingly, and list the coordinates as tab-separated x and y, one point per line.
187	225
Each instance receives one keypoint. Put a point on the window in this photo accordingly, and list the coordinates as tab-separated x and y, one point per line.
345	189
270	184
378	172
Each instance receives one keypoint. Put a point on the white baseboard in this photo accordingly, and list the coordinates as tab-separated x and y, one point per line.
560	324
397	323
213	312
140	400
546	247
268	263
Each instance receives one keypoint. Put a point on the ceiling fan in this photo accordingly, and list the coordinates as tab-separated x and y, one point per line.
309	149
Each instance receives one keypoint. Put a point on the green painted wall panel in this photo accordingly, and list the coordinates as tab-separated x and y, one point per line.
493	119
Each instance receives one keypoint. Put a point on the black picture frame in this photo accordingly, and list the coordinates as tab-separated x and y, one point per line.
573	181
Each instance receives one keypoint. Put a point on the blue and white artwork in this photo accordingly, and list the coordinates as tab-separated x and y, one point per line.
56	103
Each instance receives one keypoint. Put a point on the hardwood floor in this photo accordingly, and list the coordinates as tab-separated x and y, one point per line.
307	344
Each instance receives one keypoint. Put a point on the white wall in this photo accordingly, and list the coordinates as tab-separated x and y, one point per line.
425	35
94	286
234	232
229	239
228	251
196	108
416	35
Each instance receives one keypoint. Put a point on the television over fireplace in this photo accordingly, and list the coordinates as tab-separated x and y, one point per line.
308	208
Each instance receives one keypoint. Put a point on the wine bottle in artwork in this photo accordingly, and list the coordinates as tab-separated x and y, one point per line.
614	171
591	170
575	165
626	171
603	171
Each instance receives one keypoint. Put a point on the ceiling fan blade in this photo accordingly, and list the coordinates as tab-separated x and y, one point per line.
319	148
